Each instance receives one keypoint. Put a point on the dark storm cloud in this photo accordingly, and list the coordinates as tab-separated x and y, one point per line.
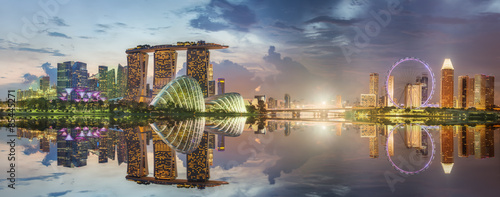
328	19
28	78
57	34
50	71
59	22
237	17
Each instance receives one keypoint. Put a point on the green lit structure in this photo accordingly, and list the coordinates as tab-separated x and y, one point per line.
183	92
228	103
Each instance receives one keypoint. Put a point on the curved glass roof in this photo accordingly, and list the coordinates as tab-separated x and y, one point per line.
184	92
229	103
183	136
229	126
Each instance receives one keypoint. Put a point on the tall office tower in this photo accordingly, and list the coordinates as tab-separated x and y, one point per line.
413	95
390	88
93	84
339	101
447	148
211	88
288	101
111	84
447	85
198	168
64	76
490	92
374	147
489	141
136	139
137	76
164	159
197	67
221	86
463	91
103	84
210	73
44	83
480	91
374	85
121	81
79	75
471	92
271	103
164	69
425	85
368	100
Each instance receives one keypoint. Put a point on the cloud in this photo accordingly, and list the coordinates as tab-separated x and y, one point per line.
28	78
84	37
59	22
103	26
281	25
57	34
121	24
220	14
328	19
50	71
43	50
59	193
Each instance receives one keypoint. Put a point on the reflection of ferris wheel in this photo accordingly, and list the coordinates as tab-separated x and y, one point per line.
410	148
410	83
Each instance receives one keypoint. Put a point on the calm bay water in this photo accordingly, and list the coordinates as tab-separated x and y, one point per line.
269	158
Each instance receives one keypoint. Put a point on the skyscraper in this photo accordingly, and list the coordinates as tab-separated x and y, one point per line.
480	91
413	95
425	85
374	85
490	92
465	91
447	77
79	75
447	160
197	67
221	86
64	76
44	83
164	69
103	84
211	82
111	84
390	87
288	101
137	76
368	100
121	81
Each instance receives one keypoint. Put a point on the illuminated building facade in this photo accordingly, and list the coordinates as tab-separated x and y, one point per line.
413	95
44	83
221	86
447	85
165	62
164	159
211	82
465	141
198	168
137	76
103	148
64	76
390	140
390	88
480	91
413	136
79	77
424	81
198	60
272	103
103	84
374	85
373	147
111	83
368	130
121	81
339	101
184	92
136	139
368	100
447	160
288	101
490	92
465	91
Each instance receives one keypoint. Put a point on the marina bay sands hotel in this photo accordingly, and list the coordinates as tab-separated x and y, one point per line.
165	60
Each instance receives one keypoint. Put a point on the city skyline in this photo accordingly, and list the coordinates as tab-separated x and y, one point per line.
300	51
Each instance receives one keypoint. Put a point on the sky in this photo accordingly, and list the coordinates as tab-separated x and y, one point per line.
312	50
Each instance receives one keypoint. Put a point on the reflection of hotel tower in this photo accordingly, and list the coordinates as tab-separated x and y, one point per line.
137	152
198	168
164	159
447	148
370	131
477	141
390	139
413	136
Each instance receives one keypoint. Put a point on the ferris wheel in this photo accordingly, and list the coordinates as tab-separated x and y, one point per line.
410	83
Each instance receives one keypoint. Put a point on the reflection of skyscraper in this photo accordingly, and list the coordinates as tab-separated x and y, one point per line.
463	142
220	143
368	130
288	128
198	168
137	76
121	149
197	67
164	159
44	145
390	140
164	69
137	152
221	86
447	148
103	148
490	92
374	147
374	85
447	76
489	141
413	136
